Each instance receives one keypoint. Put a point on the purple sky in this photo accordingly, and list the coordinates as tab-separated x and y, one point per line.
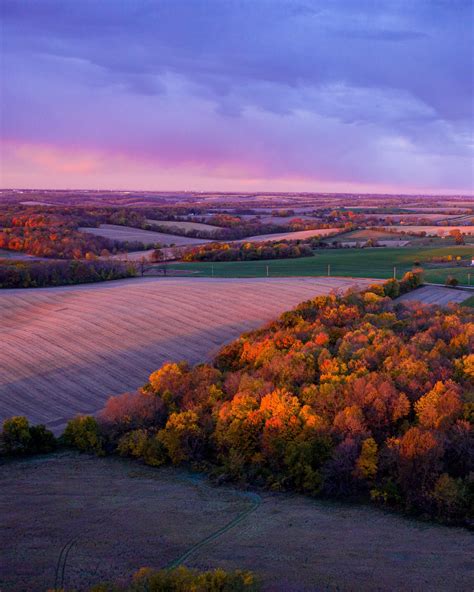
241	95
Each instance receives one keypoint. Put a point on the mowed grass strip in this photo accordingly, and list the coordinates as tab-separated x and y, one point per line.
357	263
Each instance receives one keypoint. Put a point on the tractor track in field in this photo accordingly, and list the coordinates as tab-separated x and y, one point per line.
257	501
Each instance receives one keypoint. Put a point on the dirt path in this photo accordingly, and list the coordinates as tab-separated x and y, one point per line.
256	501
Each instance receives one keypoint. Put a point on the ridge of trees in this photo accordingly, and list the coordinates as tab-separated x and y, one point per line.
40	274
247	251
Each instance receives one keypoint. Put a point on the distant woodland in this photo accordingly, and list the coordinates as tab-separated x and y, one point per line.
40	274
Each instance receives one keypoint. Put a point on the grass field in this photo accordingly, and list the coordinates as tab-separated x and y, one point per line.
469	302
185	225
111	516
364	234
66	350
127	233
376	263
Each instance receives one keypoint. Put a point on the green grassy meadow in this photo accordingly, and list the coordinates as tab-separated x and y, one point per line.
375	262
469	302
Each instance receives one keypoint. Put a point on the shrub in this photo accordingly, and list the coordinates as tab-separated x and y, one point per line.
21	438
42	440
83	433
451	281
144	445
392	288
16	435
410	281
183	579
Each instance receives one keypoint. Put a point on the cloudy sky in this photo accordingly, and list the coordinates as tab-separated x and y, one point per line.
293	95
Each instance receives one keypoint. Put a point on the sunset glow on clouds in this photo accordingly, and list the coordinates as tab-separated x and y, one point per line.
224	95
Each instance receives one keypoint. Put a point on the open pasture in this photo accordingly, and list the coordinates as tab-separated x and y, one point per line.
185	225
376	262
129	234
365	234
116	516
66	350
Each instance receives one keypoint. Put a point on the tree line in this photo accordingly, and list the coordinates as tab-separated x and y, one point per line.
247	251
40	274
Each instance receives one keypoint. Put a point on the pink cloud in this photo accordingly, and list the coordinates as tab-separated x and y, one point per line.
54	160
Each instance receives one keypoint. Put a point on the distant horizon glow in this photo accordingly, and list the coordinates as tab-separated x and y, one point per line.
283	96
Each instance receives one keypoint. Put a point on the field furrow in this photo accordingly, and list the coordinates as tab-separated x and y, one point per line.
65	350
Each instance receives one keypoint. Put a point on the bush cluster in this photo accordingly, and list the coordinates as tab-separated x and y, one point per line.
19	438
183	579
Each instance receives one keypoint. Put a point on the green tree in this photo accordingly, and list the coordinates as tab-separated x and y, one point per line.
16	435
83	433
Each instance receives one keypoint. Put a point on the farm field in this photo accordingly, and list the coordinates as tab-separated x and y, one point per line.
436	230
185	225
365	234
380	243
126	233
269	219
436	295
297	235
66	350
426	216
115	516
374	262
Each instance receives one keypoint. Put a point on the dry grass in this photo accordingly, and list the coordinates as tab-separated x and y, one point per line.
436	295
120	516
65	350
185	225
127	233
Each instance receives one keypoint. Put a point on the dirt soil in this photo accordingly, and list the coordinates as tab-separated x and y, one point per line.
72	520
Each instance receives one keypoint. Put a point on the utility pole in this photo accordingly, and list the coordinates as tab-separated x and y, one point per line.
329	270
394	272
267	271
